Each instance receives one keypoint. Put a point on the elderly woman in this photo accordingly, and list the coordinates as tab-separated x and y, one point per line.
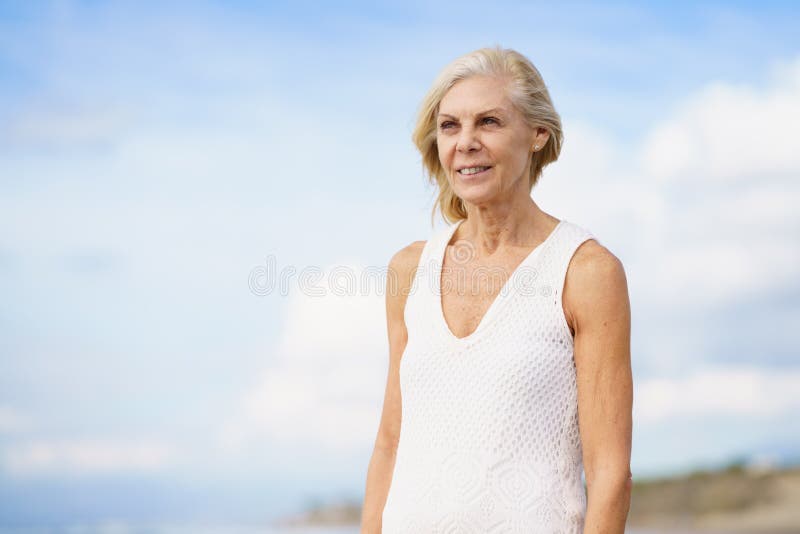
509	331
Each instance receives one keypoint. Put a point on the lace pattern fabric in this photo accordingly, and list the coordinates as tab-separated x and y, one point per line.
489	438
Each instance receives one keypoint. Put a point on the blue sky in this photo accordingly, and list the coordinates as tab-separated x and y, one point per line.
154	156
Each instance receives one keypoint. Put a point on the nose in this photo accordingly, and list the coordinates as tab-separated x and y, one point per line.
467	140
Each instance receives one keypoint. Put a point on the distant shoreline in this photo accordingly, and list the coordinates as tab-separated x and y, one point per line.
737	499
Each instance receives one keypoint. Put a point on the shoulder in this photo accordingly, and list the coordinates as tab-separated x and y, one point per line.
596	283
407	257
402	266
594	263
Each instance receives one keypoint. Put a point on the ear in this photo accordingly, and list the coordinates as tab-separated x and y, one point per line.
542	135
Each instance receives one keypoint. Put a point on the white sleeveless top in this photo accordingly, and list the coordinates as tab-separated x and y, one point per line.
489	438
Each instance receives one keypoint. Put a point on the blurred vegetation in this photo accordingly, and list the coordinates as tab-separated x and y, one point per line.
738	496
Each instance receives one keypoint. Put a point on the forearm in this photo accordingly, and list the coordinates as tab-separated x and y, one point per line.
379	479
609	500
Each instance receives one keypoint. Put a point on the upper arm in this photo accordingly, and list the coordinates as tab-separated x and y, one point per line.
597	302
399	278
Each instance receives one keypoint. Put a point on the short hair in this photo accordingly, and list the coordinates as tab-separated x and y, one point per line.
528	94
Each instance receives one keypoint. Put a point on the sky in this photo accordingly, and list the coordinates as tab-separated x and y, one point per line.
157	159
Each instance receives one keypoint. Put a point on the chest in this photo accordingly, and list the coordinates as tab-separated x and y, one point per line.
469	291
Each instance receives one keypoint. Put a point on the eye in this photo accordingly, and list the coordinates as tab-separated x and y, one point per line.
492	119
445	125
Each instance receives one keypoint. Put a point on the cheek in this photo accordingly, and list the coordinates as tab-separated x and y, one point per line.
518	156
445	151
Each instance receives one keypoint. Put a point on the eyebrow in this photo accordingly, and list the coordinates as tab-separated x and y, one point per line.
493	110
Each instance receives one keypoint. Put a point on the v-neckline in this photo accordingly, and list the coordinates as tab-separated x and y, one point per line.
498	299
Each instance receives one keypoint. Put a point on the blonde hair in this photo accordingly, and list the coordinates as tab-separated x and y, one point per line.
528	94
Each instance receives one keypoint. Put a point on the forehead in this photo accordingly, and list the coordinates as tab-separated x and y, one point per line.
474	95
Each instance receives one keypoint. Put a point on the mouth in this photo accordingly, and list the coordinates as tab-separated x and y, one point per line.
471	172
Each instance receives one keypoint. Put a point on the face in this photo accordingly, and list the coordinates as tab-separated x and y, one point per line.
477	126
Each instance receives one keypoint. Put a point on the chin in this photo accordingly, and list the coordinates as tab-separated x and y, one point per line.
476	199
476	194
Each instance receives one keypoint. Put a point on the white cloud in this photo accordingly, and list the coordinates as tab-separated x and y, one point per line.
86	457
327	375
726	132
703	211
746	391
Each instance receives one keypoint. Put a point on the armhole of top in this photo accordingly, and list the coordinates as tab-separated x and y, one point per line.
562	316
417	281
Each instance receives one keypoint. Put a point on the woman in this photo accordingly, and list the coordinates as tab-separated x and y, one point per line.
510	390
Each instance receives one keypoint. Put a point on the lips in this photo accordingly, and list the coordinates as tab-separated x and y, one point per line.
474	170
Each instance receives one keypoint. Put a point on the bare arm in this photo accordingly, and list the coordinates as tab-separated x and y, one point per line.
381	465
596	301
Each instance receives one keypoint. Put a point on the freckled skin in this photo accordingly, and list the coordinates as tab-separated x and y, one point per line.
477	125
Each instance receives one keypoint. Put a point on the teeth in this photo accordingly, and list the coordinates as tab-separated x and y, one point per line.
472	170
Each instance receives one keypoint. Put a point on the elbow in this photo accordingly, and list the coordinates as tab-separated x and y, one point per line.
616	482
387	444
